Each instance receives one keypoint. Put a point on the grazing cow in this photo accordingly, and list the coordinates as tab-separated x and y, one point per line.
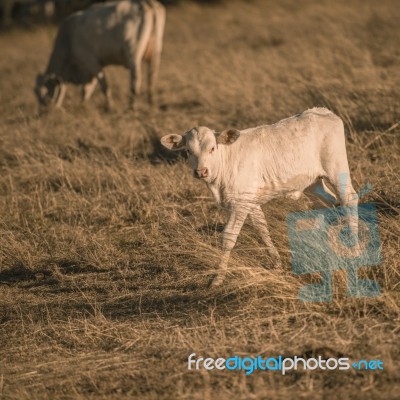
114	33
245	169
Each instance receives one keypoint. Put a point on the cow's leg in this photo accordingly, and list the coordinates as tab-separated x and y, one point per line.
60	95
136	54
88	89
229	237
320	194
154	65
152	77
136	77
260	224
105	89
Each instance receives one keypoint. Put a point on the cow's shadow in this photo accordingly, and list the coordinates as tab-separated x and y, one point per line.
156	290
193	298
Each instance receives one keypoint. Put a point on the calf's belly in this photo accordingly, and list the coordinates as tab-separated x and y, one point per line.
290	188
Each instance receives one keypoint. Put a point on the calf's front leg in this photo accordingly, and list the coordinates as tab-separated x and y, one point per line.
229	237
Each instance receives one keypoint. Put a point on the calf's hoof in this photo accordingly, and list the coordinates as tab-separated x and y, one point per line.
216	281
277	264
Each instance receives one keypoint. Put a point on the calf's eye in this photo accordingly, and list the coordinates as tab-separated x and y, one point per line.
212	149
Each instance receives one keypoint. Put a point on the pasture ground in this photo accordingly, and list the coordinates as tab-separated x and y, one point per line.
107	243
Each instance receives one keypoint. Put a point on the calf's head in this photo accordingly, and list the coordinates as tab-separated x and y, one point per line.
203	147
47	89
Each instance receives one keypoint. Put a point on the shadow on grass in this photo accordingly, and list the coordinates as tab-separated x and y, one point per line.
192	300
21	273
148	290
210	230
181	105
160	153
148	305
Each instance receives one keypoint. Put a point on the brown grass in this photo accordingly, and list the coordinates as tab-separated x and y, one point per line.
106	248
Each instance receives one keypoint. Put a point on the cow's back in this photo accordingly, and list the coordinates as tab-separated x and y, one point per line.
94	38
105	31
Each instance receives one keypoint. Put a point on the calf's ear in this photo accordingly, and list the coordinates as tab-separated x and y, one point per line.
173	142
228	136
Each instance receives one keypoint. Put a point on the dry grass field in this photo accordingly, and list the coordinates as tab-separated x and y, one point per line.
107	242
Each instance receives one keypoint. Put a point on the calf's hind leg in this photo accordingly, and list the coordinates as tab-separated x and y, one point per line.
348	198
320	194
260	224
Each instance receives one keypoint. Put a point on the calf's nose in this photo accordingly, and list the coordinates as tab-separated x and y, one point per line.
202	172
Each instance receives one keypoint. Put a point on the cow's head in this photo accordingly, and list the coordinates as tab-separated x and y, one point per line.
47	89
202	146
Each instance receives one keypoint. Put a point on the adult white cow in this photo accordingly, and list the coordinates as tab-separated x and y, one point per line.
245	169
113	33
